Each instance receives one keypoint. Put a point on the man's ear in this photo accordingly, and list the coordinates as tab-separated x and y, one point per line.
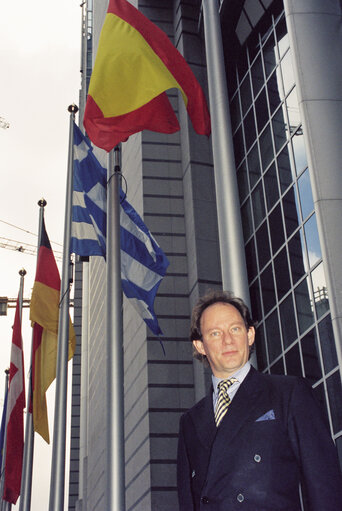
251	335
199	346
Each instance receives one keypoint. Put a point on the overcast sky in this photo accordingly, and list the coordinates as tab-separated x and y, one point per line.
40	78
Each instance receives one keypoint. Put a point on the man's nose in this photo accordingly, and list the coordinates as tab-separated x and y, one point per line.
227	338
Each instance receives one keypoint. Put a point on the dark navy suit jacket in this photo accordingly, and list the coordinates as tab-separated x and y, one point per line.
272	439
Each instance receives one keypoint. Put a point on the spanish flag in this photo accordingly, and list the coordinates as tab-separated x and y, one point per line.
135	64
44	314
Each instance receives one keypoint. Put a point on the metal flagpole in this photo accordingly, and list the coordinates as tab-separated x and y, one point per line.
26	478
56	502
4	450
115	463
234	273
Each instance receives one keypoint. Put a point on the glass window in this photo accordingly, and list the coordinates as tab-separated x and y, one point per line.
264	253
261	110
271	187
251	260
299	151
260	347
310	352
266	147
282	37
257	75
279	125
327	344
254	291
335	400
284	169
273	336
235	112
282	274
287	72
258	204
254	168
278	367
249	127
276	229
291	213
246	94
267	287
247	223
269	52
288	321
293	363
320	291
297	258
242	180
303	306
312	240
293	110
274	96
239	149
305	194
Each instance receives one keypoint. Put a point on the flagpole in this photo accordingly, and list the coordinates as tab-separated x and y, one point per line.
115	448
233	266
2	468
26	478
57	482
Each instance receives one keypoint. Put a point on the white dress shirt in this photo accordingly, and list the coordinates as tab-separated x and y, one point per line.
240	375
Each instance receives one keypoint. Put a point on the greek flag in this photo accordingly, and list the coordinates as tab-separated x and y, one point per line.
143	263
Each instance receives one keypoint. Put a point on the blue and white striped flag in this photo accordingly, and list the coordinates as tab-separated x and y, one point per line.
143	263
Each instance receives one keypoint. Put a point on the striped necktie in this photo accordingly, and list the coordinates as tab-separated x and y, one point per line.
223	400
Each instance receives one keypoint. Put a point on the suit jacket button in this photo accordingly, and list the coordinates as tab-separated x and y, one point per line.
204	500
240	497
257	458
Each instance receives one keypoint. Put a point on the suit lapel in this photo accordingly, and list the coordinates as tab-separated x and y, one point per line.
203	419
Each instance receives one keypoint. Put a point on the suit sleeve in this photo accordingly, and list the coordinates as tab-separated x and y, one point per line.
315	451
183	473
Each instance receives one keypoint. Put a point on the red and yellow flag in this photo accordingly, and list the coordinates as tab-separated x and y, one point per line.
44	313
135	64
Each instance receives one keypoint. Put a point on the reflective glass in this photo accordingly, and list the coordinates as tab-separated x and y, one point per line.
266	147
242	179
320	290
312	240
335	400
269	52
327	344
239	149
260	348
249	128
276	229
251	260
293	110
305	194
273	336
299	151
257	75
264	253
310	352
284	169
279	125
254	168
247	223
297	257
282	274
282	37
287	72
245	94
278	367
267	288
261	110
235	112
254	291
291	213
258	204
293	363
274	96
288	322
271	187
304	306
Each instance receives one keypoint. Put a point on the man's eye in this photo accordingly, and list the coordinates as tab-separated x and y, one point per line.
236	329
215	333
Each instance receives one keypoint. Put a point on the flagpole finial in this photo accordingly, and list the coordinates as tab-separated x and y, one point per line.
22	272
42	203
73	109
7	371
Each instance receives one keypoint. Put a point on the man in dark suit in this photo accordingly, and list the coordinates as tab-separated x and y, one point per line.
256	438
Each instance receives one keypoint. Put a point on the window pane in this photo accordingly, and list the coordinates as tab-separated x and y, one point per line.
281	270
291	213
288	322
242	180
261	110
312	240
254	291
271	187
287	72
327	344
296	254
254	168
258	204
245	94
235	112
274	95
276	229
260	346
257	75
264	253
266	147
282	37
267	287
269	53
299	151
293	110
293	364
251	260
320	290
279	125
239	149
249	127
305	194
310	352
284	169
247	223
273	336
303	306
335	400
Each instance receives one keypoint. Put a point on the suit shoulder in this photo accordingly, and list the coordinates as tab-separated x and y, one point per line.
286	384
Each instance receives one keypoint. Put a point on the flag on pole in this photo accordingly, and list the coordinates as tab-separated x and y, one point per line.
3	424
135	64
44	313
143	263
15	415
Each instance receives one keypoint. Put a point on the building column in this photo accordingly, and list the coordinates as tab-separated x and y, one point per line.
315	38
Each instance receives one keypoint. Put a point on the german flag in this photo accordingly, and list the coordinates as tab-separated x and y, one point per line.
44	314
135	64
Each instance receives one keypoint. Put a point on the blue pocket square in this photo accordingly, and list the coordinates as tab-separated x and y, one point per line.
268	416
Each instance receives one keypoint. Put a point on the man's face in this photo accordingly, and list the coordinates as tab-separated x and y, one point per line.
225	339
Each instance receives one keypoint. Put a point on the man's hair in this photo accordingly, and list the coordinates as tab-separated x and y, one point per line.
209	299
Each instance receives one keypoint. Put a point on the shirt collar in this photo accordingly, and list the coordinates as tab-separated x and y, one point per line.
240	375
